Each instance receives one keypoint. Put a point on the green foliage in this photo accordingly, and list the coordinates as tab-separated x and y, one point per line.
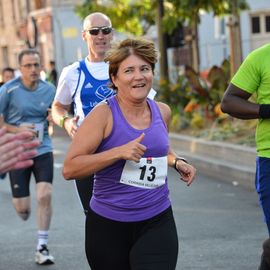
176	95
136	16
128	16
194	100
195	103
197	121
188	10
218	78
195	97
232	130
176	124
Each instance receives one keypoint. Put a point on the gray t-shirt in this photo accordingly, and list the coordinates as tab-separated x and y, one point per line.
20	105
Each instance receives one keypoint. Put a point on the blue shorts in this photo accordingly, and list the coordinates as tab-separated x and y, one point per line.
262	183
42	170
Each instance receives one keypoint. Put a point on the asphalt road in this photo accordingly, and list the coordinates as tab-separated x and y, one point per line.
219	225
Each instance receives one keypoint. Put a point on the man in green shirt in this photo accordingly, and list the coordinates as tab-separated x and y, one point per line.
253	77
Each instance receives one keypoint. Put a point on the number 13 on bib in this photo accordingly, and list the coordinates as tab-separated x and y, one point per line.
149	173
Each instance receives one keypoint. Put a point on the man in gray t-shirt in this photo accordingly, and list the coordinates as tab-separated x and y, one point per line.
24	104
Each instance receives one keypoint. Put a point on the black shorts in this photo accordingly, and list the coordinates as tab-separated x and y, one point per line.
150	244
42	170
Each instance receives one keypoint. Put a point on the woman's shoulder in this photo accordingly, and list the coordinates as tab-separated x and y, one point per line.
100	118
101	109
163	106
165	110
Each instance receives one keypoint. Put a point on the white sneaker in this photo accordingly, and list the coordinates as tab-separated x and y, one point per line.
43	256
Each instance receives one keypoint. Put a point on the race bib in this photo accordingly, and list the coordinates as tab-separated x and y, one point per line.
150	172
38	129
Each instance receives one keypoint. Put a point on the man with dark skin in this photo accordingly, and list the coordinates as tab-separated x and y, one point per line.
253	77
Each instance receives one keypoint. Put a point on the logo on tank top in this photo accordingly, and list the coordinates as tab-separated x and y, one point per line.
103	92
93	104
89	85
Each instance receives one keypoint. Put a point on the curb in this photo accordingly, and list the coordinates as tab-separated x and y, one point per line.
221	161
235	164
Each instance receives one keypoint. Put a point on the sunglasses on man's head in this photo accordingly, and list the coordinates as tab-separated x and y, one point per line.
106	30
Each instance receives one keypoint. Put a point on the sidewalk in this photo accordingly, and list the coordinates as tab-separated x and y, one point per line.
222	161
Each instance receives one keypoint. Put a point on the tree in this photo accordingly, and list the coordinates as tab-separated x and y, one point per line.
128	16
133	17
136	17
189	11
164	74
235	35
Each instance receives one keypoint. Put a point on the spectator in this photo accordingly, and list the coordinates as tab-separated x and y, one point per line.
52	74
8	74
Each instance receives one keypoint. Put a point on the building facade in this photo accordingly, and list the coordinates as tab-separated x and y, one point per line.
214	33
51	26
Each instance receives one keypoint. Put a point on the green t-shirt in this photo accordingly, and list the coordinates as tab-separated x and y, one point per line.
253	76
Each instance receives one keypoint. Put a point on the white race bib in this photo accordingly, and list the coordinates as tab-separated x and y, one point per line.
149	173
38	128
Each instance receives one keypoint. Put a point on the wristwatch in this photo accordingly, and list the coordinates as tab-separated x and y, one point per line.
62	120
176	159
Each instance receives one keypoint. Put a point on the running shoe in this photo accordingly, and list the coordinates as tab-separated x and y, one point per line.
43	256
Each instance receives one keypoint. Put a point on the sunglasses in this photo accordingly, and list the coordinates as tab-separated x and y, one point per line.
28	66
106	30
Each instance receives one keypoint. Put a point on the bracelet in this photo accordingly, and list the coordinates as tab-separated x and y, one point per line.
264	111
62	120
175	161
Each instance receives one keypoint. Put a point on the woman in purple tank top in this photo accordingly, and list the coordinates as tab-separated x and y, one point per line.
124	143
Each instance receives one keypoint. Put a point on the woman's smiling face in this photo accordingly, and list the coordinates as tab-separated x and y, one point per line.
134	77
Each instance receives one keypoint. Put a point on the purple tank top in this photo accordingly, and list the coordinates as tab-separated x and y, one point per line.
122	202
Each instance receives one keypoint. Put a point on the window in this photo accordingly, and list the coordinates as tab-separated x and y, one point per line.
1	14
255	22
5	55
220	27
13	10
267	23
